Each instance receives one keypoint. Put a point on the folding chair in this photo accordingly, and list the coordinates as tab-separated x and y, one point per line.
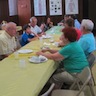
91	59
84	77
49	90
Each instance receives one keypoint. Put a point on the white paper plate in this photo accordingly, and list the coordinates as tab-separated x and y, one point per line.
34	60
46	36
24	51
56	44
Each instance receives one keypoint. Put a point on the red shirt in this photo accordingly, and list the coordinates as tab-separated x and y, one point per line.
79	33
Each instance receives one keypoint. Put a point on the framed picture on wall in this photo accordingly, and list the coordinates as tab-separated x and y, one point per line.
13	7
71	7
55	7
40	7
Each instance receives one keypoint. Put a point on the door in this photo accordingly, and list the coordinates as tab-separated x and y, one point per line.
24	11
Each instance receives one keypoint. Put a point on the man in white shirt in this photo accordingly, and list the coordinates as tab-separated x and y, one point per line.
34	27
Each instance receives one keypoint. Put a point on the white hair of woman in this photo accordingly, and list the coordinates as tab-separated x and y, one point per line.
87	24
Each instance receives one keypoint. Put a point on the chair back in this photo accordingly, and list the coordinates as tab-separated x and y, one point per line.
91	59
85	75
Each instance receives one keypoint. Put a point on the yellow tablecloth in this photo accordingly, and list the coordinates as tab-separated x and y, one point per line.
1	31
28	81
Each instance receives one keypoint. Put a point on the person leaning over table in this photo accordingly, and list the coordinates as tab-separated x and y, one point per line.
34	27
27	36
72	55
7	40
69	23
87	41
62	22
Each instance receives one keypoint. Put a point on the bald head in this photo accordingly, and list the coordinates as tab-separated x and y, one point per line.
11	28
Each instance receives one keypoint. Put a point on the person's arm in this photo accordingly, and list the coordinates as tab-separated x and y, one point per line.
35	34
42	26
39	31
3	49
35	38
56	56
61	23
52	51
61	44
49	50
51	24
4	56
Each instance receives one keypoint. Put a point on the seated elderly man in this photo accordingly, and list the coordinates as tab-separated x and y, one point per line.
87	41
7	40
34	27
72	55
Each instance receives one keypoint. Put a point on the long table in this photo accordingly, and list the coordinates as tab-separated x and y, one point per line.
28	81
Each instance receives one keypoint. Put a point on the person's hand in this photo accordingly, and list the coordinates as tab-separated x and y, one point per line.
42	26
60	24
44	50
43	33
61	44
35	34
39	53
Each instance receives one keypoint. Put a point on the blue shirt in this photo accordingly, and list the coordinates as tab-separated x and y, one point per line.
24	38
87	42
77	24
74	58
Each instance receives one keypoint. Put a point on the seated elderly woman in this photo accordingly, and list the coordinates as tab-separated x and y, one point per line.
87	41
72	55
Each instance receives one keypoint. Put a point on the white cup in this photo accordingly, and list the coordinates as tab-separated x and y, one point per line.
16	55
51	39
56	44
41	41
22	63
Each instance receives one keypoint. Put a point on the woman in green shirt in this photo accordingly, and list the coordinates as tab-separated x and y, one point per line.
72	55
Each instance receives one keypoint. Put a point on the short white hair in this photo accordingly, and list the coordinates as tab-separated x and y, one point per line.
31	19
87	24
